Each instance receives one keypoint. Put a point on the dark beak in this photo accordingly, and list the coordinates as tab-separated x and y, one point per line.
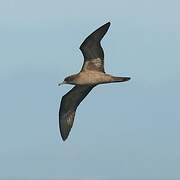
64	82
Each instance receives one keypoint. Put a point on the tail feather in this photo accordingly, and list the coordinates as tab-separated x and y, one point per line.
120	79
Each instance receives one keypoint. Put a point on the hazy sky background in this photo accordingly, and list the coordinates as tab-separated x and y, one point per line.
121	131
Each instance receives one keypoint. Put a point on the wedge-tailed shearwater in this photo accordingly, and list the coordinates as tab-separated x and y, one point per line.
91	74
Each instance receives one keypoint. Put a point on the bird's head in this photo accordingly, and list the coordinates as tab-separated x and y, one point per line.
68	80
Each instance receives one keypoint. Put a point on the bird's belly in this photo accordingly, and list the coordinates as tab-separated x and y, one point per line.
92	78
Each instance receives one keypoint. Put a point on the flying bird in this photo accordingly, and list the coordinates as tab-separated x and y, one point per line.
92	73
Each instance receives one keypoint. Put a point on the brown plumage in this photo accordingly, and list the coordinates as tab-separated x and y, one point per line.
91	74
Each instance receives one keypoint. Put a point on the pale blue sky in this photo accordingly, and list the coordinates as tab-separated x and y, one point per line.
121	131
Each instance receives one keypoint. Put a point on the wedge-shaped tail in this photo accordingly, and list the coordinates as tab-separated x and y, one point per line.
120	79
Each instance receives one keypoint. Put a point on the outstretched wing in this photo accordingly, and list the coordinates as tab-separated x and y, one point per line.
69	104
92	50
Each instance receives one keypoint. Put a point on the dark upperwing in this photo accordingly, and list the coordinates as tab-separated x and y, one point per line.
69	104
92	50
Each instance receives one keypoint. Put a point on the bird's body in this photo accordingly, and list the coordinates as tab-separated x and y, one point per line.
94	78
91	74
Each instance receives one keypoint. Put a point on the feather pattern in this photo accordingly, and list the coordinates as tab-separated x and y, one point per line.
68	106
92	51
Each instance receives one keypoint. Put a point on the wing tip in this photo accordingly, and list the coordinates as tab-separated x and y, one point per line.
64	134
64	137
65	123
100	32
107	24
105	28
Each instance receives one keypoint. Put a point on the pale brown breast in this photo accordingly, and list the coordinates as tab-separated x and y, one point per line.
92	77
